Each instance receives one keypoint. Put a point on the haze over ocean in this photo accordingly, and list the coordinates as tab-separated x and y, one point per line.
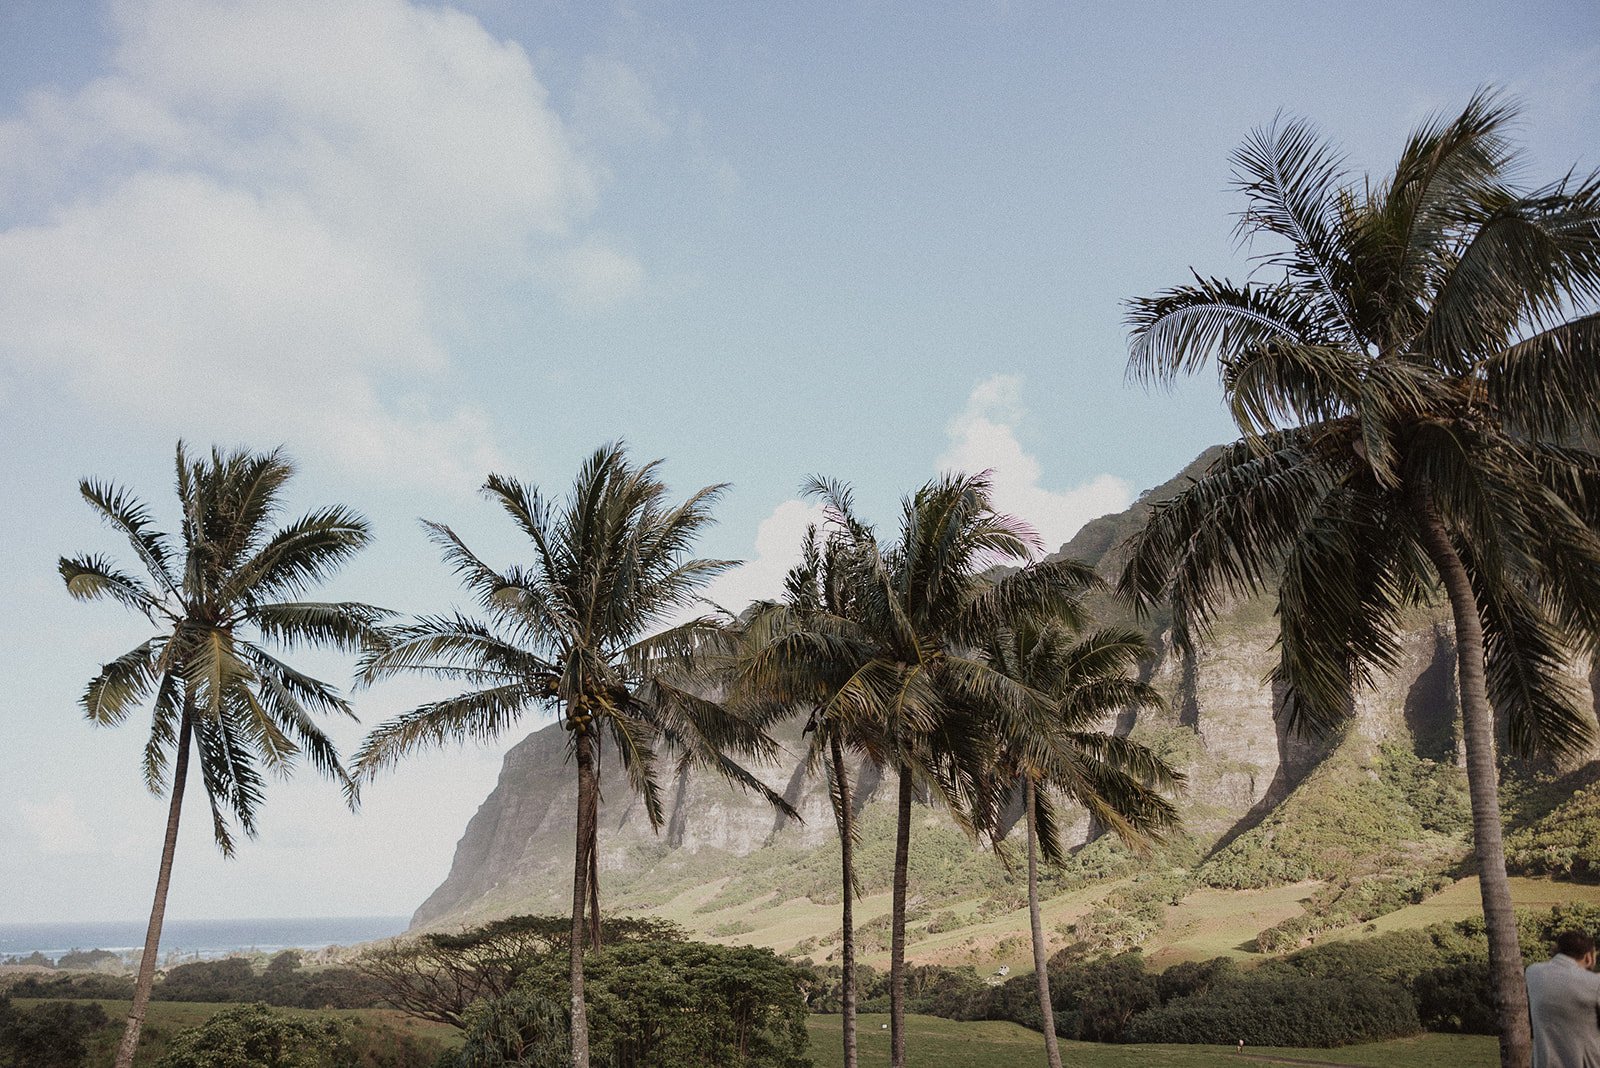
203	938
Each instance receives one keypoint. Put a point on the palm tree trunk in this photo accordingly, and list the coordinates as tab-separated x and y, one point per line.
594	858
158	910
594	885
587	788
1478	730
847	953
1041	970
897	937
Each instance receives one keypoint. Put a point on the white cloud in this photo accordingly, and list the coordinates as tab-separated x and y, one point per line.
777	549
57	826
279	207
611	102
983	437
593	276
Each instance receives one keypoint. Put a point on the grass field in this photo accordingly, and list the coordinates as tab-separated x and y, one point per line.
935	1043
1460	900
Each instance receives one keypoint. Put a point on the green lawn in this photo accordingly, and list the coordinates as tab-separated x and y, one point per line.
936	1043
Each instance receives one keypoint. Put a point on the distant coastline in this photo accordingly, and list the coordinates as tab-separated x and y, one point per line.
204	939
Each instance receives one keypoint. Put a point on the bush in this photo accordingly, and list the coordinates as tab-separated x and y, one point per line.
664	1005
1277	1006
52	1035
1095	1001
1457	999
76	987
1092	1000
524	1029
253	1036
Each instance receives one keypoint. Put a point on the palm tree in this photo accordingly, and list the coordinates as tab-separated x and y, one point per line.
801	651
919	605
1066	684
1418	395
583	630
220	596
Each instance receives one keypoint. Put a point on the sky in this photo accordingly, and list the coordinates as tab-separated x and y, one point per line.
414	243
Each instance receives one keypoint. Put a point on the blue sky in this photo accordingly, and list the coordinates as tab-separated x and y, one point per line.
417	242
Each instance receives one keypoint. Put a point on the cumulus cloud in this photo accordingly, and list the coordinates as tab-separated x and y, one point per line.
57	826
613	103
983	436
777	549
275	208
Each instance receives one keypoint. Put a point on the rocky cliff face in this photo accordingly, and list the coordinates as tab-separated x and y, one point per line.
1219	725
517	852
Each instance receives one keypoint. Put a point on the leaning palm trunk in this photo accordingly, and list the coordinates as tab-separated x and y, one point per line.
847	952
1041	970
1478	729
587	789
897	937
158	910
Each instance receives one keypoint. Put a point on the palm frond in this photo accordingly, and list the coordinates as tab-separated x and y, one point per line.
477	715
123	683
92	577
131	516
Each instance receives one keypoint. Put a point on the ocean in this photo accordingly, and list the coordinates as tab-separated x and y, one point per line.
197	938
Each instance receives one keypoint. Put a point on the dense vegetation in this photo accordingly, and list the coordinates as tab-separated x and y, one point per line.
664	1004
52	1035
284	981
1333	994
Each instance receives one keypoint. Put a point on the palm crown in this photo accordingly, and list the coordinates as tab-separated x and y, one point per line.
1068	683
222	595
582	628
1417	357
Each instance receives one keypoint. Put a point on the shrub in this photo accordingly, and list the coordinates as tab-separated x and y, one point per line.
677	1005
1092	1000
1096	1000
1456	998
75	987
1277	1006
524	1029
52	1035
253	1036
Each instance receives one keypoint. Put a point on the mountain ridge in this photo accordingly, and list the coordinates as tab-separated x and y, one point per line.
724	860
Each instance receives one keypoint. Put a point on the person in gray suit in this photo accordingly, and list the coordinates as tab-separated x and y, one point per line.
1564	1002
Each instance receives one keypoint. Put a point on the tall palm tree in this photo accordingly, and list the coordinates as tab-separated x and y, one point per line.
1050	743
583	630
800	652
921	604
1418	389
221	596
